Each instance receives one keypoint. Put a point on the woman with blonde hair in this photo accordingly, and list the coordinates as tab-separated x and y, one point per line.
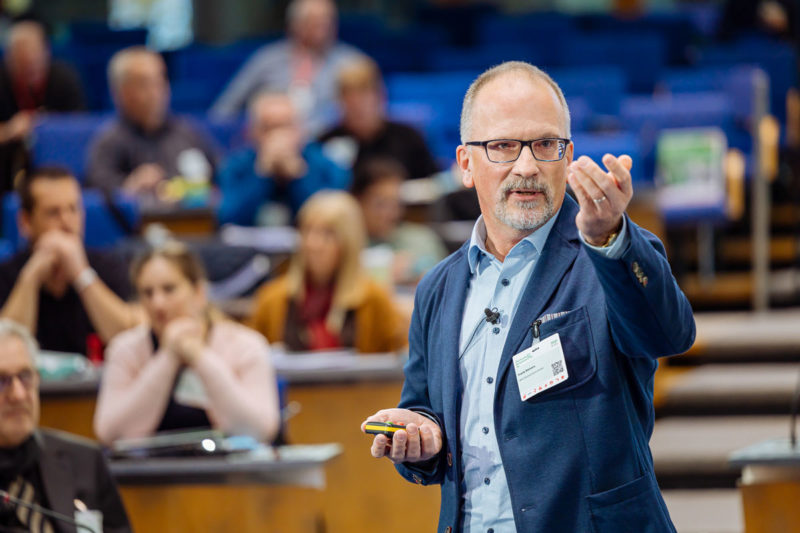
189	367
325	301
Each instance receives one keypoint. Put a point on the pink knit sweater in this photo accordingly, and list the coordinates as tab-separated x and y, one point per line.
235	371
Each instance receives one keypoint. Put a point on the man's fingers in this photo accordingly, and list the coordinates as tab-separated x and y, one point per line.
399	443
620	169
379	444
590	187
413	447
584	199
430	442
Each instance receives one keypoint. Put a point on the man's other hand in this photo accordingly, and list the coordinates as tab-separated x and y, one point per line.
603	196
144	178
420	441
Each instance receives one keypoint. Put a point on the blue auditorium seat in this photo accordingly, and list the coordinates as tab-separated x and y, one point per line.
647	116
738	82
199	73
481	57
640	55
63	140
102	230
779	61
676	27
546	31
596	145
602	87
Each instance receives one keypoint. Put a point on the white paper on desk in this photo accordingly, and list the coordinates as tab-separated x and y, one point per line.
281	239
331	360
190	390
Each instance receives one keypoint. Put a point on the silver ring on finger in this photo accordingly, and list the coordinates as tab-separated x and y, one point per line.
598	201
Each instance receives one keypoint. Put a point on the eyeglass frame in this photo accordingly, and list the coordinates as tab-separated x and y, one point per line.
28	383
523	144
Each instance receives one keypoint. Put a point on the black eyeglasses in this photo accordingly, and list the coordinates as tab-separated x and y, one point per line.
508	150
27	377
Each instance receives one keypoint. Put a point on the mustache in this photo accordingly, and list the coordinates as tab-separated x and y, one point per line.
522	183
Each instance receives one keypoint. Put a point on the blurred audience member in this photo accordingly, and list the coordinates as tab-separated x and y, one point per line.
189	367
29	83
325	301
305	65
62	293
278	169
145	146
376	186
365	131
55	470
776	18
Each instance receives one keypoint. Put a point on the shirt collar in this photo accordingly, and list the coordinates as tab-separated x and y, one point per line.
477	242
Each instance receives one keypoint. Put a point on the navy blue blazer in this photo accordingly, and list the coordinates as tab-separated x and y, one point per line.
576	456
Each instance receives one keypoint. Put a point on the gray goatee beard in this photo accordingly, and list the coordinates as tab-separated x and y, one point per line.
524	216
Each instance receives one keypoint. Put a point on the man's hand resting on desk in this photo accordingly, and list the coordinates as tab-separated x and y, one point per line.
420	441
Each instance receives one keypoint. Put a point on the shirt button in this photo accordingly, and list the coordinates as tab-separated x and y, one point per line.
490	530
505	282
486	480
496	331
485	430
490	380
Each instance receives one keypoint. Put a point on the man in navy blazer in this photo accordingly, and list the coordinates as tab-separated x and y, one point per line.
574	455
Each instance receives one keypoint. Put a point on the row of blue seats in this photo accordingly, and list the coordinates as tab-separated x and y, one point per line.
601	112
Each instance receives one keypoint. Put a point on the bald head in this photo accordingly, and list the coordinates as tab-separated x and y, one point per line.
518	71
27	54
138	81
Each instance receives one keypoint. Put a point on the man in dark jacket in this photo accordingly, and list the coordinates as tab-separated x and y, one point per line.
30	83
53	470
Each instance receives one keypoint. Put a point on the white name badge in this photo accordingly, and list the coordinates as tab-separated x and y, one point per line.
540	367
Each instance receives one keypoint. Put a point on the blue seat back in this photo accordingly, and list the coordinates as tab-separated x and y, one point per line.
63	140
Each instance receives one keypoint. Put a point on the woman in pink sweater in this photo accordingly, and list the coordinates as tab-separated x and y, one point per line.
189	367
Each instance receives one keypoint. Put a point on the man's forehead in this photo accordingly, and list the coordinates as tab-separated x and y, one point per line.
57	186
513	94
14	355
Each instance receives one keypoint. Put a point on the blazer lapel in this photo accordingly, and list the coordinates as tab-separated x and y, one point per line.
559	253
57	478
455	292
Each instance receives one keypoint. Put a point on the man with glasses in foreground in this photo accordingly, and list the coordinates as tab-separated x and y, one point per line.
53	470
528	391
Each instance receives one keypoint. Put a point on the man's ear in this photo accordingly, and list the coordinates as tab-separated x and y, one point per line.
462	160
24	223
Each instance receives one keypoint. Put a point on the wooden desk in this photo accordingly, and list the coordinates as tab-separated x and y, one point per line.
770	486
69	405
222	494
333	403
358	484
180	220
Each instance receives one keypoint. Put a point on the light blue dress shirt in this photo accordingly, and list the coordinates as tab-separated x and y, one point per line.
486	505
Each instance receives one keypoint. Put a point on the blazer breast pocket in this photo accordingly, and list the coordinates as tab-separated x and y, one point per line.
579	354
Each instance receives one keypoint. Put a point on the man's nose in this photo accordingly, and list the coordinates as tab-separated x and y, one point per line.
16	390
526	164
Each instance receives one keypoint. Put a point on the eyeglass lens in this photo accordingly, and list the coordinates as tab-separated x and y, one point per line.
505	150
26	377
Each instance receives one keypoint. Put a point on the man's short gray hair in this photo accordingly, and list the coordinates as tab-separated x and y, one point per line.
496	71
118	64
294	10
9	328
